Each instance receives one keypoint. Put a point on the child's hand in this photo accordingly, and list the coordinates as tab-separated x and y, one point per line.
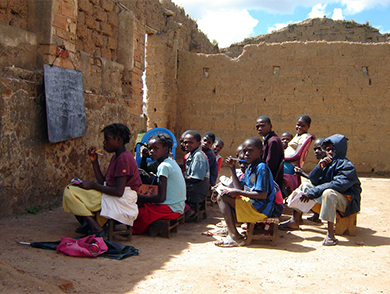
145	152
87	185
325	161
92	153
304	198
298	170
233	193
230	161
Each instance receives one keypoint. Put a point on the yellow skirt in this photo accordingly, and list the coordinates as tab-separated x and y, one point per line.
83	202
245	212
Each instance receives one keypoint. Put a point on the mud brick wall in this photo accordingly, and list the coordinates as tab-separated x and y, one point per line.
106	42
315	29
14	13
343	86
97	28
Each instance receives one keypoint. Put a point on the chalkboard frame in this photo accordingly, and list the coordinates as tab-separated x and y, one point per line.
65	105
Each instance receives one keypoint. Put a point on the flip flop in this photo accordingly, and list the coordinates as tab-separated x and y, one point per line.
229	242
221	224
286	227
330	241
316	220
208	233
191	219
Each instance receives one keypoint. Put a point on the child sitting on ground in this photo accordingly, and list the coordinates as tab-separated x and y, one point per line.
208	139
217	147
169	202
196	174
252	198
114	194
286	138
302	126
334	184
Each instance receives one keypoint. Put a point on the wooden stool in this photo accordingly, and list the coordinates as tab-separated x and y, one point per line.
164	227
346	225
201	209
273	232
127	233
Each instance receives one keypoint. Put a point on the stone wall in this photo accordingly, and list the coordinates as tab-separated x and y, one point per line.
105	40
343	86
315	29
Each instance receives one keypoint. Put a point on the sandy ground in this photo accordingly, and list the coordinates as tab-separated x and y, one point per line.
189	262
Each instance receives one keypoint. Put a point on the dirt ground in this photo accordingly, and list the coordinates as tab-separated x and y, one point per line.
189	262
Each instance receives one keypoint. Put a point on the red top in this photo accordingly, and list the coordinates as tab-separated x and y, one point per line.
123	165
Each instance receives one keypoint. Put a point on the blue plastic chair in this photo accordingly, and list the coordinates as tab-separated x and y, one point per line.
145	139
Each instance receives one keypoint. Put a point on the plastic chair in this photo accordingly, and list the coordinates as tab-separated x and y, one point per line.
144	142
291	182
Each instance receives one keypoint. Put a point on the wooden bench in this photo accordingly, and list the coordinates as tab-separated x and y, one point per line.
164	227
201	209
112	232
269	235
346	225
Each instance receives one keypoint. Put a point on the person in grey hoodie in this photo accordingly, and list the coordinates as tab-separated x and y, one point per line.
334	184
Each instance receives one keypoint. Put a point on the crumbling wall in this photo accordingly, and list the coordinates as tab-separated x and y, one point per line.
105	40
343	86
314	29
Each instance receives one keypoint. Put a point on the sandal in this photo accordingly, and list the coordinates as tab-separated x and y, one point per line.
208	233
191	219
286	227
314	219
330	241
229	242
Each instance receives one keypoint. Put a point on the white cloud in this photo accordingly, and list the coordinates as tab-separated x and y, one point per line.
196	8
337	14
227	26
278	26
318	11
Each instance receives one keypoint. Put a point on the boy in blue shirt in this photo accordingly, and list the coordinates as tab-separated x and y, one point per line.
252	198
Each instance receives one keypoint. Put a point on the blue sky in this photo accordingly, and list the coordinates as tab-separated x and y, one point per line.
229	21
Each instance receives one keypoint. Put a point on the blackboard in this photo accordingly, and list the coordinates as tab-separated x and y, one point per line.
65	108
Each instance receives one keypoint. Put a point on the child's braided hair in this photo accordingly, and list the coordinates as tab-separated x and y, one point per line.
164	139
119	130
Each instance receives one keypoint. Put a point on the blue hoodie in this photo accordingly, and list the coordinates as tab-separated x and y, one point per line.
339	175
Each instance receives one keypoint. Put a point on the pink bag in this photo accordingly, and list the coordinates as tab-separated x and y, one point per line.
89	246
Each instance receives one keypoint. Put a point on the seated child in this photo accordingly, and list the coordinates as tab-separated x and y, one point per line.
196	173
217	147
286	138
114	194
182	147
334	184
169	202
208	139
319	154
226	182
302	126
252	198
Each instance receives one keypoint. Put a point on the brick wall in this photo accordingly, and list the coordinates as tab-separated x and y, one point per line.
14	13
107	44
97	28
315	29
325	80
